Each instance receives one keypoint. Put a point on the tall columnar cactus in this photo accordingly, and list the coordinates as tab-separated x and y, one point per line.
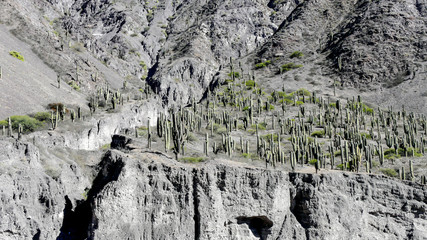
149	137
411	171
113	102
20	129
10	127
179	134
73	115
56	117
79	113
58	79
206	144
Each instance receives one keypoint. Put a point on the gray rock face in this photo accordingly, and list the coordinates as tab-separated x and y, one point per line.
154	198
143	195
31	201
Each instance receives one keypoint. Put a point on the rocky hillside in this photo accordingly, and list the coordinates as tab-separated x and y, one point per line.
279	119
140	195
181	48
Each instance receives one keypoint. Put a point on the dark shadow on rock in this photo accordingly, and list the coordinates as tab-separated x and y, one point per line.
259	225
37	235
81	223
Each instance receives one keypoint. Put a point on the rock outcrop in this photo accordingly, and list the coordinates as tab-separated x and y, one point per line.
149	196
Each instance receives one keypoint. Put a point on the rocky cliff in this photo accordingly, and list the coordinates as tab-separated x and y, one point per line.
144	195
88	179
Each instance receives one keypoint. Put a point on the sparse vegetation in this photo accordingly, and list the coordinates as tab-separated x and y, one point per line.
290	66
262	64
42	116
28	123
319	134
192	159
389	172
17	55
74	85
297	54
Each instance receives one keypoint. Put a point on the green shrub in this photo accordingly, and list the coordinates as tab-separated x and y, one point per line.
192	159
297	54
261	126
235	74
250	84
106	146
42	116
267	137
312	162
300	92
28	123
389	151
319	134
389	172
227	81
287	101
410	151
262	64
280	94
271	107
17	55
367	135
74	85
289	66
143	65
298	103
339	166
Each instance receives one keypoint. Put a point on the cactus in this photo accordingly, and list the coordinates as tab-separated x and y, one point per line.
10	127
73	115
58	79
149	134
19	131
206	144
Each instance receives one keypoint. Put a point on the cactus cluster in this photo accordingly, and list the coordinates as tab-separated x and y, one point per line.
301	127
